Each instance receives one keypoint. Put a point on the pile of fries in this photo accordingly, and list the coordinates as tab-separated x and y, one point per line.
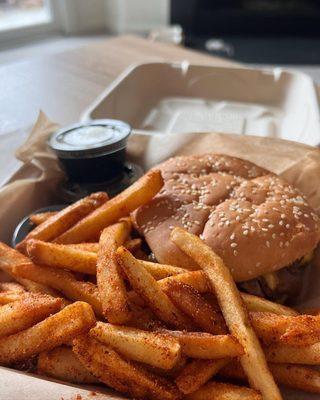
86	305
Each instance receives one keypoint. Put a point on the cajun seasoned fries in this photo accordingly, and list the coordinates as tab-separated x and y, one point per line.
89	304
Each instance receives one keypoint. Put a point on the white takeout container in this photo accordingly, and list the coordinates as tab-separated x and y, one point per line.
182	97
34	186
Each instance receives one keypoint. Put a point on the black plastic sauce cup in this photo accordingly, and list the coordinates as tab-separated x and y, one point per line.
93	155
92	152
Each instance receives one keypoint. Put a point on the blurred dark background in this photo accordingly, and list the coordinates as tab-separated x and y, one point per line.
252	31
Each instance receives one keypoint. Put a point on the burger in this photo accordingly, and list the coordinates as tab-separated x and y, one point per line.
262	227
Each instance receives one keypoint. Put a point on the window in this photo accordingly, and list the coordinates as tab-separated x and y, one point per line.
15	14
27	20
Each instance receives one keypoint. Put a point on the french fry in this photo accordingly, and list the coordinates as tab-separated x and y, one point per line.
297	377
233	309
64	219
82	257
143	318
156	349
196	279
294	376
63	281
110	282
138	194
54	331
161	271
233	370
12	287
300	330
38	218
224	391
197	373
10	292
125	376
147	287
92	247
255	303
61	256
9	297
135	299
61	363
176	370
133	245
9	258
199	281
35	287
206	346
280	353
189	301
26	312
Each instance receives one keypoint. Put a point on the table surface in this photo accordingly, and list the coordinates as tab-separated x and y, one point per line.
64	84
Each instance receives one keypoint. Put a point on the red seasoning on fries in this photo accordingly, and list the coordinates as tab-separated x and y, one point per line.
102	295
234	312
110	282
63	220
147	287
140	193
59	328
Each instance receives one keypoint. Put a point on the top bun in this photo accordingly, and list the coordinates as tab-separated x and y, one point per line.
250	217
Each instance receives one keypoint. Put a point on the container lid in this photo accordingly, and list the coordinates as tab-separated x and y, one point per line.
90	139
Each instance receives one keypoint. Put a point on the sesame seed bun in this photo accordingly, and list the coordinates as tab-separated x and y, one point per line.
252	218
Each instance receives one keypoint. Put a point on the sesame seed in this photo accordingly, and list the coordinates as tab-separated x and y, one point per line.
237	218
235	252
232	236
282	216
287	244
267	243
233	244
288	226
274	236
245	232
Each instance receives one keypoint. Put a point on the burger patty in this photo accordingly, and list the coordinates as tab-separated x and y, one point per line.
280	286
288	284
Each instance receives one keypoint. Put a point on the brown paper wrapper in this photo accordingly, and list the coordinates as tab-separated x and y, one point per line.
35	186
